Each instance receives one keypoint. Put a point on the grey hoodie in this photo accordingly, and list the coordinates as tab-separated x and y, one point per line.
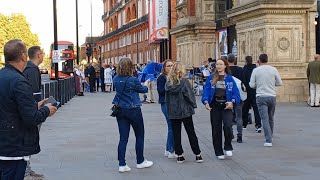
180	100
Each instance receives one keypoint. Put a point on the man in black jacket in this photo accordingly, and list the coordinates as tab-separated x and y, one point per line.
20	114
92	77
33	75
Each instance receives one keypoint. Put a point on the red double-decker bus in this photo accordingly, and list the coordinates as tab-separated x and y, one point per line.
66	65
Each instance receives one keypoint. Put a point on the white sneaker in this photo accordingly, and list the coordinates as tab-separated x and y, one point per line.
144	164
221	157
172	155
267	144
125	168
229	153
166	153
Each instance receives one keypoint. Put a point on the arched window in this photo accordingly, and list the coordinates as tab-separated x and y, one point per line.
134	12
128	15
111	25
115	22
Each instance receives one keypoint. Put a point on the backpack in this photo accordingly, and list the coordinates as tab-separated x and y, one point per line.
242	88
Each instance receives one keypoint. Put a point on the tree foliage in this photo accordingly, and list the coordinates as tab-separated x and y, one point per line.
15	26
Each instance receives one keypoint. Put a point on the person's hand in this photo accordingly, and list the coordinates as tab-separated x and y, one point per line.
147	82
52	109
40	103
229	105
208	107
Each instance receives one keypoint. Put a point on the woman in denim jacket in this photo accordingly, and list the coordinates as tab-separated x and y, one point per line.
180	102
220	93
127	98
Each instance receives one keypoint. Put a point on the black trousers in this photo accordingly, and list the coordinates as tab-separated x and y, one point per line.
103	87
193	139
250	102
13	169
217	116
92	84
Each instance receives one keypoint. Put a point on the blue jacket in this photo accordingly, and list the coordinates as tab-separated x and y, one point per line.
232	92
161	82
19	115
128	96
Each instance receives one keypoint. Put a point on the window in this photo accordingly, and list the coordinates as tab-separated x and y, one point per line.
147	6
139	8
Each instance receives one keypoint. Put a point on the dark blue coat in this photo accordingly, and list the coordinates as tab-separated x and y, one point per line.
161	82
19	115
32	73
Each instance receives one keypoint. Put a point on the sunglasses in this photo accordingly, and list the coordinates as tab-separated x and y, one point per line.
169	65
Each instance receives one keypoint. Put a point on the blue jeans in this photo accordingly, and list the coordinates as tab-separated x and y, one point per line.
12	170
134	118
170	142
267	107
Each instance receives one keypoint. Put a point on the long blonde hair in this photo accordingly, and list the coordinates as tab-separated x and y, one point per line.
176	74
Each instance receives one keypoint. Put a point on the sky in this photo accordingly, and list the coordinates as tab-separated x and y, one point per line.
39	15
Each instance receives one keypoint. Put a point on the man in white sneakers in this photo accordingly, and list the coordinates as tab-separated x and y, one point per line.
264	79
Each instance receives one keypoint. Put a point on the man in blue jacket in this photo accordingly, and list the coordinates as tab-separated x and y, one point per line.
20	114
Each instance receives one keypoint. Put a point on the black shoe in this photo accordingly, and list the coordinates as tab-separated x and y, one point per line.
239	139
258	130
180	159
199	158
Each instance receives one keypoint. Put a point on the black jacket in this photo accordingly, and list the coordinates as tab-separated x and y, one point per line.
180	100
92	72
247	71
19	115
32	73
161	82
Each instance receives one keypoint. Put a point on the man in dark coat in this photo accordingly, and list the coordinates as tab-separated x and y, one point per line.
103	89
92	77
33	75
20	114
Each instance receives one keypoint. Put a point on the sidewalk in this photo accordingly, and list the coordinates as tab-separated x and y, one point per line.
80	143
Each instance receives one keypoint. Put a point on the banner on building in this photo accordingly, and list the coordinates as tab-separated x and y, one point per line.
222	45
158	20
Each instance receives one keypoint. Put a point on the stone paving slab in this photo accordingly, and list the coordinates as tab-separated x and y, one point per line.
80	143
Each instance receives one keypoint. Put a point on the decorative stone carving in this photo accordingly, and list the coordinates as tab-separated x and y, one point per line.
181	13
283	44
261	44
243	47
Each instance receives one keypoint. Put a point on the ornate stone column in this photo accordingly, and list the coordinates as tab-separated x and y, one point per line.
283	29
194	31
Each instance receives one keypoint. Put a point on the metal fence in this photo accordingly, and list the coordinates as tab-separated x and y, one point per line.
62	90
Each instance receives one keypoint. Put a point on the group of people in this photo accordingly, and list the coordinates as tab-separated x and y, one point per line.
221	97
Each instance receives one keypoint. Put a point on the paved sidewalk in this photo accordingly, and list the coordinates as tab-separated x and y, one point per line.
80	143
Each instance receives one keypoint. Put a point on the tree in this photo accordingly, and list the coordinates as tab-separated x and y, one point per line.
16	26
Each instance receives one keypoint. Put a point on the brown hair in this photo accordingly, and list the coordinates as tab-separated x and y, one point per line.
164	64
125	67
177	73
216	73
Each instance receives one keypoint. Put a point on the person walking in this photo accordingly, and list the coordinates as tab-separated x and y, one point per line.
20	114
220	94
237	72
108	78
251	97
180	102
161	81
127	98
32	73
264	79
92	77
78	80
313	73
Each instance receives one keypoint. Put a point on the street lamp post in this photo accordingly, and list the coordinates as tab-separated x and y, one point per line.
55	43
77	32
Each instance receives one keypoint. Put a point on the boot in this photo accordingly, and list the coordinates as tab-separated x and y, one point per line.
239	139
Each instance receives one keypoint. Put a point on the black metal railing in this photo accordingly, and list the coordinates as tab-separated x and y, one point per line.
105	15
126	27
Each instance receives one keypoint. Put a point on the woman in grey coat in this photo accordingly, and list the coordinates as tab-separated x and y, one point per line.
180	101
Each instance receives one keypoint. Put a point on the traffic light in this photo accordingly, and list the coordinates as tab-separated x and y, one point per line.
88	50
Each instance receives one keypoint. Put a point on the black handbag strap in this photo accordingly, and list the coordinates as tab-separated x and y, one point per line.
125	83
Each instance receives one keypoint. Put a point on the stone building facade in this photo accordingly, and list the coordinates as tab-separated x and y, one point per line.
283	29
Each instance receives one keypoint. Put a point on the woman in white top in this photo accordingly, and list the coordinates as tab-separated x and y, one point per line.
108	78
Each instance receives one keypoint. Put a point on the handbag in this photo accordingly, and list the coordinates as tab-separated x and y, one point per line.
115	109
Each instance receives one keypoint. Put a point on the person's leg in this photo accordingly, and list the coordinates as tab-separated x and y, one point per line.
28	169
124	130
176	129
245	112
263	111
257	118
216	127
170	142
317	98
193	139
12	170
271	110
227	124
312	94
102	85
20	169
136	120
238	112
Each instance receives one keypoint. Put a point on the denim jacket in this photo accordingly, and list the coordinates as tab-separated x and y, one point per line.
128	96
232	92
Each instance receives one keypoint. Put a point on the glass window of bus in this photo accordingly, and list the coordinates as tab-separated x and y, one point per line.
64	47
67	66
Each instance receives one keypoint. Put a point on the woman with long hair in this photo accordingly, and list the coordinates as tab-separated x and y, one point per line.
127	98
220	94
108	78
161	81
180	101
